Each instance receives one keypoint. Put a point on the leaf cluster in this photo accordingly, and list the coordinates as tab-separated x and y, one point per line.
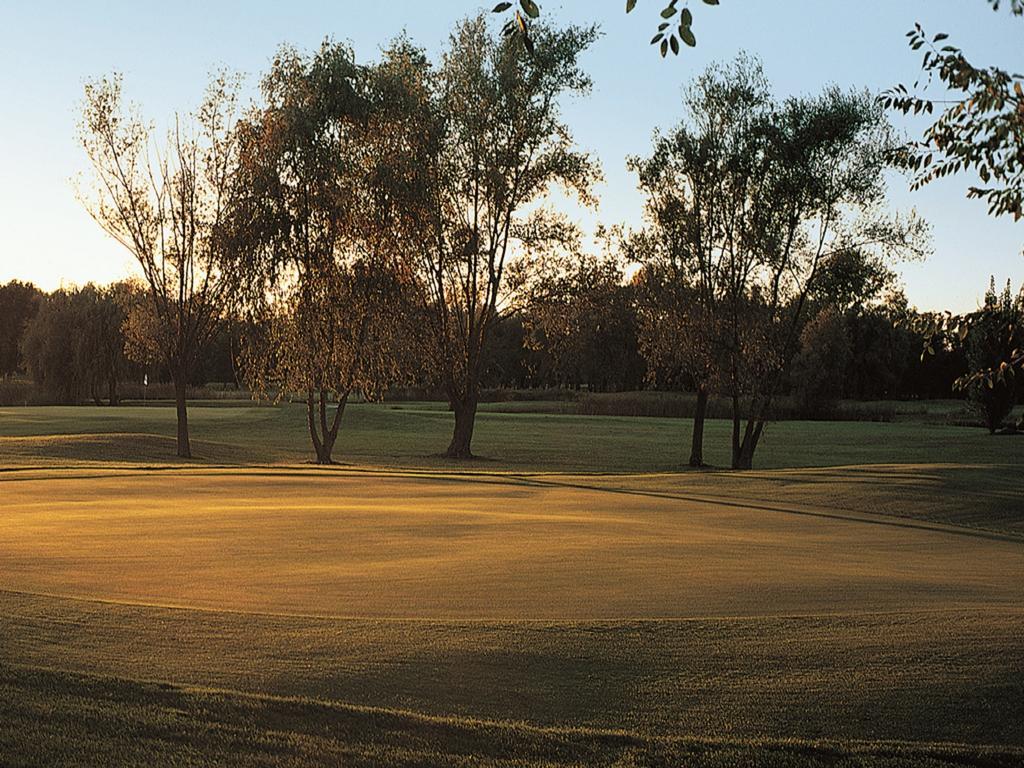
676	25
981	131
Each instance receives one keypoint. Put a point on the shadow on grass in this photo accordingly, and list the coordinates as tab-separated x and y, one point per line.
101	721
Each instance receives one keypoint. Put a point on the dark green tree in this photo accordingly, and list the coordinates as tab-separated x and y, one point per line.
821	366
74	346
18	304
579	314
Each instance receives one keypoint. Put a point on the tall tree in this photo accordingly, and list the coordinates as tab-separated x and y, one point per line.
328	341
167	206
677	337
317	225
822	194
498	145
701	185
750	202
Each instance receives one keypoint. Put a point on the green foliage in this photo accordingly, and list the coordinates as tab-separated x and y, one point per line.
757	208
820	367
982	131
668	36
853	278
1016	6
883	361
695	183
580	316
945	328
315	228
18	304
74	346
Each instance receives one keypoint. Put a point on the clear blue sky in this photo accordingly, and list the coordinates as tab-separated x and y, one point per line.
166	50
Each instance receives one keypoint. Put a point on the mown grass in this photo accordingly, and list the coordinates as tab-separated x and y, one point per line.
173	726
925	677
568	599
415	434
492	598
463	547
933	472
983	497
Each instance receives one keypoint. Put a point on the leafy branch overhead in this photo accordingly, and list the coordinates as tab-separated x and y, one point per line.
981	131
676	24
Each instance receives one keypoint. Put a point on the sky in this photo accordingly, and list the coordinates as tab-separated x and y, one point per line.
167	50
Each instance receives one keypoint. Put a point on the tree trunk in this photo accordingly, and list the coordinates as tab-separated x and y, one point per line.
112	398
325	451
735	430
184	448
311	421
322	434
697	442
744	457
751	437
465	418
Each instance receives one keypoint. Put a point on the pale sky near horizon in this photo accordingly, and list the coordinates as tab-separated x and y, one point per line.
49	49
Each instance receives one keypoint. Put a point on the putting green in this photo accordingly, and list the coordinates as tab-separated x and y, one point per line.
457	547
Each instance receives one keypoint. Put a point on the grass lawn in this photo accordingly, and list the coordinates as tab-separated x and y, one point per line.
414	434
458	548
569	600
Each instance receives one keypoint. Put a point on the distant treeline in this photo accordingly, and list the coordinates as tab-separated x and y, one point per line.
87	345
80	345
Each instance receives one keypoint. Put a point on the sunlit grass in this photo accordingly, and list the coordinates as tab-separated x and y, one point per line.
558	602
454	547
